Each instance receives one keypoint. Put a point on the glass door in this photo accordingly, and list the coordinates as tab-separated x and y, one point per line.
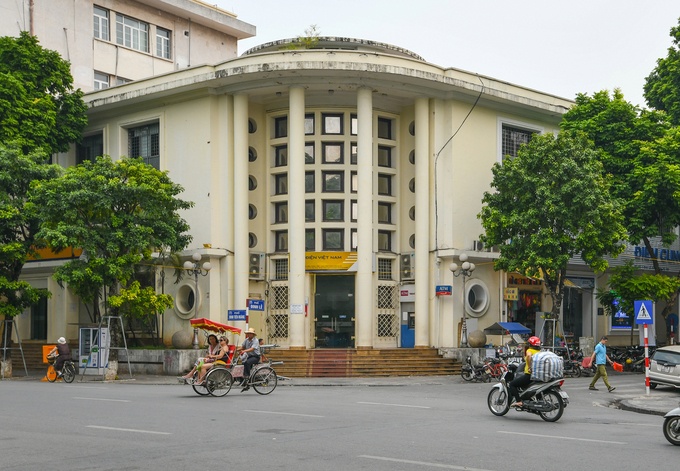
334	311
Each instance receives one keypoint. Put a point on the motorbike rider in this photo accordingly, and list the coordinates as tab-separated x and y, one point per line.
523	380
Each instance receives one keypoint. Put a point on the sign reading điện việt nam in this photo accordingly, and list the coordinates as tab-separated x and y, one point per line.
340	261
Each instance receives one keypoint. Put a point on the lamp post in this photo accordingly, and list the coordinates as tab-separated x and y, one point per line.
465	269
195	268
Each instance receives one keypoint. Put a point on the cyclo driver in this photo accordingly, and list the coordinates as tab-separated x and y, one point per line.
522	381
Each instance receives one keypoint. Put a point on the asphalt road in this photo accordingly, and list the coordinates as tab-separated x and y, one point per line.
445	425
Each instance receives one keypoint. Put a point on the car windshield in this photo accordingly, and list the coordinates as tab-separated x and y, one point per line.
667	358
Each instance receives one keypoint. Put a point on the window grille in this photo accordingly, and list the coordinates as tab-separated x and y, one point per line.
281	269
143	141
387	325
513	139
387	297
90	148
278	327
385	269
388	321
279	297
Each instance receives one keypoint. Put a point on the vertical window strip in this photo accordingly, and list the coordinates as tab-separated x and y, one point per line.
101	23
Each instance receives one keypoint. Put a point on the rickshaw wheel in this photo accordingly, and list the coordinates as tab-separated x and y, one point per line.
264	380
200	390
218	382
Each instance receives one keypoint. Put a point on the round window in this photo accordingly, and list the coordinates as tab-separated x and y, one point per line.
252	211
412	185
186	300
252	183
252	240
252	126
412	128
477	298
412	156
412	213
252	154
412	241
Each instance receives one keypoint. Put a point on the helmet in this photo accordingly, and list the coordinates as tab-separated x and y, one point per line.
534	341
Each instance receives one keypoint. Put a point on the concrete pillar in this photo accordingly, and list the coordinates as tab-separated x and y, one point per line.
423	288
365	302
240	222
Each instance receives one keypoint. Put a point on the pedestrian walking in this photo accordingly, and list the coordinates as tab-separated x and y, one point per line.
601	359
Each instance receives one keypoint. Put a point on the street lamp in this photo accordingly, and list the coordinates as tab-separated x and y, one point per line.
466	268
195	268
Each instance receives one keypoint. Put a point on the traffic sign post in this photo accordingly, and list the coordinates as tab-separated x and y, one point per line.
644	314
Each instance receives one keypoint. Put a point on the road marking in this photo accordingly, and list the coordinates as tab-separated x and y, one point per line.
563	437
127	430
422	463
638	424
394	405
101	399
284	413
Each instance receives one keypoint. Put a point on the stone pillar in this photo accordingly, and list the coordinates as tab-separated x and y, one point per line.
240	202
423	288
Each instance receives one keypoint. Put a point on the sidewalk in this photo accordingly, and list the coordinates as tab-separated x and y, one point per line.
656	404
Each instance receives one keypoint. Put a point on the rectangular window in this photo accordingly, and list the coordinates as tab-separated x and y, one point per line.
333	182
101	80
331	152
384	184
384	269
385	213
309	182
384	156
309	124
281	126
333	239
162	43
101	23
354	182
310	211
122	81
310	240
309	153
333	210
132	33
384	128
281	184
355	239
281	213
353	151
384	241
90	148
353	125
280	156
513	138
332	123
354	210
144	141
281	241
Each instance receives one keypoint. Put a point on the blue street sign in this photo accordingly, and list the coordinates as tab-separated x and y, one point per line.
236	315
256	304
443	290
643	312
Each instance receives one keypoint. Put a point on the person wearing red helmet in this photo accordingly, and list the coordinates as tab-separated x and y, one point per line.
523	380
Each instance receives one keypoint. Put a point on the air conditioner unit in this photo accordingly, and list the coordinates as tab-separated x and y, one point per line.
408	266
477	245
256	266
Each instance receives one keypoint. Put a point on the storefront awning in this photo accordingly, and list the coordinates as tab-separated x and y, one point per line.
504	328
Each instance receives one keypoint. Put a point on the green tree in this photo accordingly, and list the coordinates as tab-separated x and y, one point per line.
118	213
551	203
662	86
640	152
39	109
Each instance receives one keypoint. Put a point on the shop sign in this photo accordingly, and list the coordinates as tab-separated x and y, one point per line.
339	261
510	294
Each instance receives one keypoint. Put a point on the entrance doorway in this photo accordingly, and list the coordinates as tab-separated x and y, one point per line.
334	311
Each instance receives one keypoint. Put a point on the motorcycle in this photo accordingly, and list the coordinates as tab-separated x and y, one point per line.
671	426
471	372
545	399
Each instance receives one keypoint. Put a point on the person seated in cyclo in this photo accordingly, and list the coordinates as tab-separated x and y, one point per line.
63	353
250	355
522	381
221	356
213	349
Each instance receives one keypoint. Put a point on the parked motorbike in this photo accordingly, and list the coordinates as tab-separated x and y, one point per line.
545	399
471	372
671	426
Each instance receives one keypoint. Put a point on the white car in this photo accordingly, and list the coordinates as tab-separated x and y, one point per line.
664	367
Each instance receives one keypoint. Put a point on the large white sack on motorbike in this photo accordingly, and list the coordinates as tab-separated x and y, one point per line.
546	366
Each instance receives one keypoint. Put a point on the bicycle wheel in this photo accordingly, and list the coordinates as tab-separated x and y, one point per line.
264	380
51	374
201	390
68	372
218	382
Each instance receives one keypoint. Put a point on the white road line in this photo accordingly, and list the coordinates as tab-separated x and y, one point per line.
559	437
393	405
638	424
422	463
127	430
101	399
284	413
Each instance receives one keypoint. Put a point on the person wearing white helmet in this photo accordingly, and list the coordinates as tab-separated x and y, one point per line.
523	381
63	352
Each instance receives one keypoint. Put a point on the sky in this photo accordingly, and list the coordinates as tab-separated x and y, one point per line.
557	47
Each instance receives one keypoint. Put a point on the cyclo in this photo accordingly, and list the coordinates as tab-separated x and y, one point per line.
220	378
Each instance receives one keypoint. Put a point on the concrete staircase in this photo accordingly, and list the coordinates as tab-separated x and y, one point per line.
344	363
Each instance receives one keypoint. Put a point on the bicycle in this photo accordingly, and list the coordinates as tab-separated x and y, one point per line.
495	367
68	371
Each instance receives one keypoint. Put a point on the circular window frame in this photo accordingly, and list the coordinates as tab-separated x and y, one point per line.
182	308
482	299
252	154
252	211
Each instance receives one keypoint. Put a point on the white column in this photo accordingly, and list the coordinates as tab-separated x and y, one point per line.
296	212
423	288
364	301
240	222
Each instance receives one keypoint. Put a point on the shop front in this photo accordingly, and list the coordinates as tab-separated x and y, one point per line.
525	300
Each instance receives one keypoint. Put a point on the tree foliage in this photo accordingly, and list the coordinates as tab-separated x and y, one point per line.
19	224
662	86
39	109
118	213
551	203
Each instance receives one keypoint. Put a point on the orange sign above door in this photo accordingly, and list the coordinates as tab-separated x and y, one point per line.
339	261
